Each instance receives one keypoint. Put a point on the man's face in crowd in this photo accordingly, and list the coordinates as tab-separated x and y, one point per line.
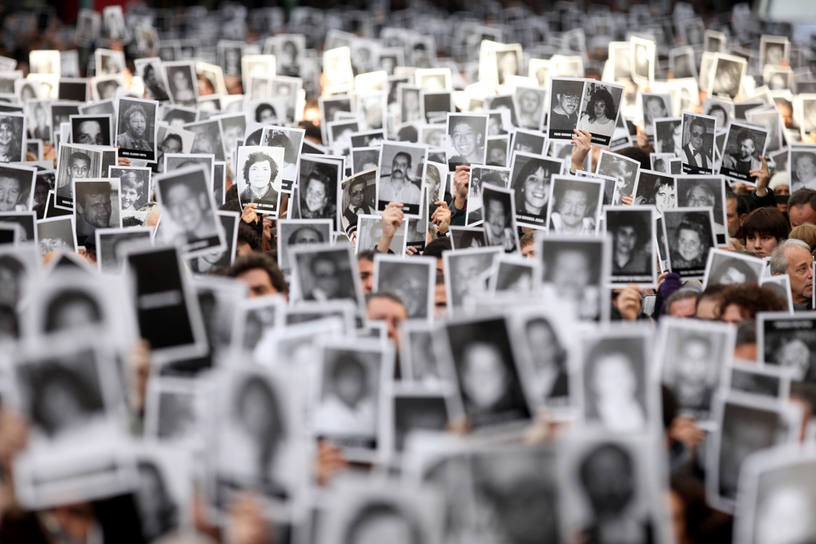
805	167
90	132
699	196
399	167
625	240
9	193
732	216
258	282
568	103
366	270
800	214
746	149
390	311
185	207
689	244
96	209
573	207
800	270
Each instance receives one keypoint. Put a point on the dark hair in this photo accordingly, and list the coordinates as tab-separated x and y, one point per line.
638	154
720	107
802	196
603	449
751	299
320	175
174	136
256	260
263	107
367	255
681	294
692	224
134	108
291	239
95	188
601	95
745	135
81	391
698	122
619	220
81	156
248	235
67	297
275	427
436	247
527	238
408	155
258	157
766	220
378	508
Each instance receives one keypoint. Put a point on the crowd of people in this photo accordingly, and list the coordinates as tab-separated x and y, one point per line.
415	276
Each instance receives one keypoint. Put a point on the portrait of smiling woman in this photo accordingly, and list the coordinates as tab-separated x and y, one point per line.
11	134
532	186
260	171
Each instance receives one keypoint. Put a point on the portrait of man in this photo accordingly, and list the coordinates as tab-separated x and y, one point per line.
16	188
74	163
355	192
565	100
348	401
399	183
632	241
803	168
91	131
499	224
324	273
410	281
94	209
530	104
698	144
743	147
137	126
573	270
467	135
185	197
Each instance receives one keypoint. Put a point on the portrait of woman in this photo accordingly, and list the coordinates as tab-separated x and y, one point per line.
532	186
259	171
599	116
10	138
689	249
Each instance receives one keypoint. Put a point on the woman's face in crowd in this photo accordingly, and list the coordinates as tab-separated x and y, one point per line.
259	174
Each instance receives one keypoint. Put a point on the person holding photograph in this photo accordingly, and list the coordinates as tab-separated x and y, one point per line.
744	158
135	137
259	171
598	117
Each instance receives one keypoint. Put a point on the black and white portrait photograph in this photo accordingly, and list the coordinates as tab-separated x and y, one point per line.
575	204
108	62
773	50
576	268
136	128
323	272
655	106
766	381
698	143
414	409
466	139
771	120
111	242
291	140
174	161
727	72
599	110
479	176
259	447
44	61
786	340
188	211
207	138
744	145
701	192
17	186
222	258
655	189
92	129
802	165
623	169
75	162
56	234
12	135
693	358
682	62
632	229
530	106
565	103
135	192
366	158
400	176
294	232
528	141
356	197
435	105
96	206
409	103
726	267
515	274
643	59
347	409
617	388
153	77
181	82
592	503
505	106
317	186
499	218
721	109
412	280
369	232
73	89
776	497
498	150
163	488
690	235
487	377
467	272
745	426
26	221
258	177
531	179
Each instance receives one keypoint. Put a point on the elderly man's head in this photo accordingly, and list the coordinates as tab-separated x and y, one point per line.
792	257
802	207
